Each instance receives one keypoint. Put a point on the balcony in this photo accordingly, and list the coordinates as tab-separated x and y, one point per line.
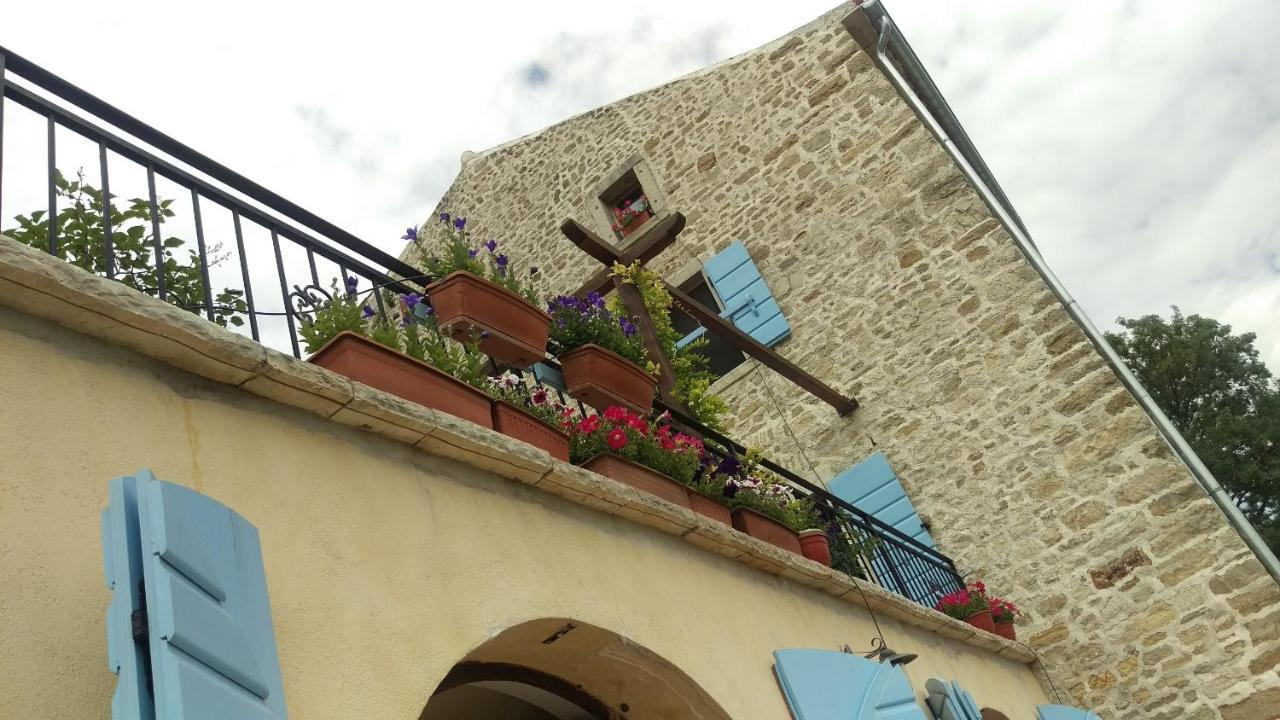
276	257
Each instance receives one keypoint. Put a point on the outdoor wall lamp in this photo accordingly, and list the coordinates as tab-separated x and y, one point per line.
883	653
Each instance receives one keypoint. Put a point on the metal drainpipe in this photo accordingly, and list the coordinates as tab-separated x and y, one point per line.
1171	435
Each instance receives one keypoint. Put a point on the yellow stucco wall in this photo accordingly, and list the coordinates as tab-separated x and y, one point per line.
385	565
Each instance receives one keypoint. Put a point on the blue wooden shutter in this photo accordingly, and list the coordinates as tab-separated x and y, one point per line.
1062	712
873	487
122	561
746	298
949	701
828	685
210	639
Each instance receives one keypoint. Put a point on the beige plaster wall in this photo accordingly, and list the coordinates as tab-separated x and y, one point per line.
1037	469
385	564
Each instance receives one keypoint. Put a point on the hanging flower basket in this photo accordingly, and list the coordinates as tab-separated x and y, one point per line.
815	546
705	505
511	330
516	423
765	528
602	378
381	367
639	477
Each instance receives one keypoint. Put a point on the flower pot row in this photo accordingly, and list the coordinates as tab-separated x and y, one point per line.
394	372
971	604
812	544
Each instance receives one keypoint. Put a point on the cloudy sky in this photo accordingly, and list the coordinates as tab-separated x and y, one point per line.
1139	140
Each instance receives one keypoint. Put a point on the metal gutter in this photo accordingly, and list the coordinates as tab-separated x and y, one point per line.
904	71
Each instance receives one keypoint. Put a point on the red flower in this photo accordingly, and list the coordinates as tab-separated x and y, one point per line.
616	439
589	424
615	414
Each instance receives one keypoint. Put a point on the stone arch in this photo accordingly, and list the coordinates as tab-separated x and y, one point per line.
564	669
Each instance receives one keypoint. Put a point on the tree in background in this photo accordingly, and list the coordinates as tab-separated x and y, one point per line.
81	242
1220	395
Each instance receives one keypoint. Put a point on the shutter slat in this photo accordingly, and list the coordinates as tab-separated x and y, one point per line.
1062	712
949	701
873	487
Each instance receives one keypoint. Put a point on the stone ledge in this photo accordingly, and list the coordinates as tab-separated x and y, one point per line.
43	286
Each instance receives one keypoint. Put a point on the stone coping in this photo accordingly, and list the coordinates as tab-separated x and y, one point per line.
46	287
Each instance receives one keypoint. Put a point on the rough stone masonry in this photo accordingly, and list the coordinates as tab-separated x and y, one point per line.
1037	469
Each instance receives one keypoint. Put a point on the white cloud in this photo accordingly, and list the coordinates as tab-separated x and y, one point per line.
1138	141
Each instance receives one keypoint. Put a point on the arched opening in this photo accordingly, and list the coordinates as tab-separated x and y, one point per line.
562	669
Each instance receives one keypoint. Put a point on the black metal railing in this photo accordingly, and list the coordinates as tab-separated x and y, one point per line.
266	288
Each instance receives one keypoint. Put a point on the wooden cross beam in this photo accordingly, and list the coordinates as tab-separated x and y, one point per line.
650	244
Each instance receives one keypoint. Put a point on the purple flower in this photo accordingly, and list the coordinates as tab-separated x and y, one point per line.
729	465
352	281
411	234
460	223
628	327
367	312
491	245
411	300
594	298
472	252
444	217
501	263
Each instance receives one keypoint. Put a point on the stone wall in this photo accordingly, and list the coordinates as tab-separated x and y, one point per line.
1037	469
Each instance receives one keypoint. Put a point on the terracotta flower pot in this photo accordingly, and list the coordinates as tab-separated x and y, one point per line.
634	225
381	367
766	529
601	378
514	422
517	330
1006	630
709	507
639	477
815	546
982	621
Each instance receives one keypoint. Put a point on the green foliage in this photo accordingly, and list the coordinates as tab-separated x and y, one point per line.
451	250
576	322
81	242
409	328
1220	395
530	398
689	365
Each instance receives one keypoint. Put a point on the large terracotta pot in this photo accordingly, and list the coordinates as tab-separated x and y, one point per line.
516	330
766	528
381	367
602	378
514	422
982	621
1006	630
815	546
709	507
639	477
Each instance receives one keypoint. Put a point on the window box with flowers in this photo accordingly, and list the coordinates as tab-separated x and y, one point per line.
406	357
630	215
602	355
646	455
531	415
969	604
1003	615
478	289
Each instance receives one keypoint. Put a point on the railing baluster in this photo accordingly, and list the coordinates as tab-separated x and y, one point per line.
108	240
204	255
284	295
156	241
53	191
311	260
244	275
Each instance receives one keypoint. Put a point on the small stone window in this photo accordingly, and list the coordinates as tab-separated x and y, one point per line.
629	199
